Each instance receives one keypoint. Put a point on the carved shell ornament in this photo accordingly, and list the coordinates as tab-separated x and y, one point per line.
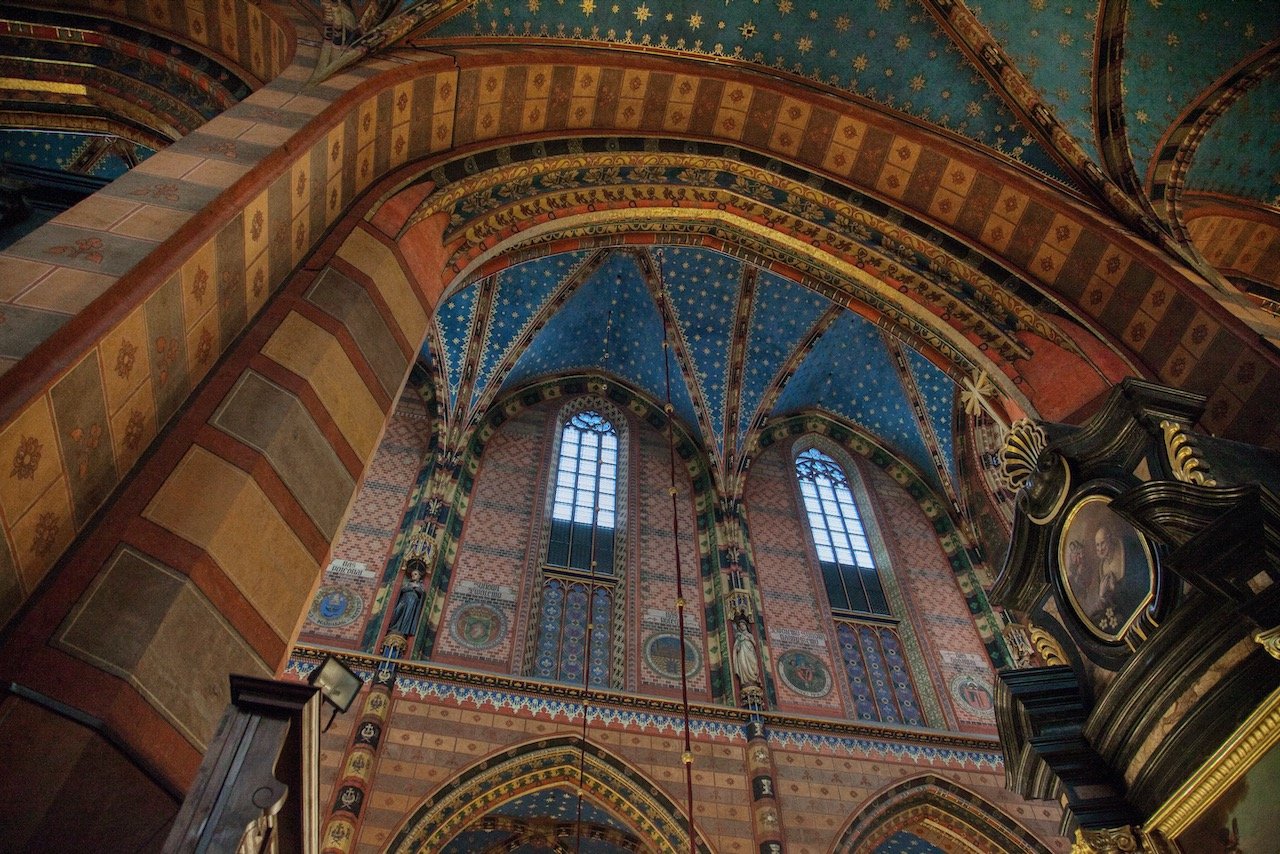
1041	478
1021	452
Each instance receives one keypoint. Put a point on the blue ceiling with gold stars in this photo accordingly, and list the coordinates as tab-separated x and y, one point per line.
1173	52
599	312
891	51
1240	154
535	821
905	842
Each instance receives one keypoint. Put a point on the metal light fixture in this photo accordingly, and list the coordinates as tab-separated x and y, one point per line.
338	685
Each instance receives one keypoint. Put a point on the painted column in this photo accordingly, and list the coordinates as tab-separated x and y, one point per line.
766	818
346	806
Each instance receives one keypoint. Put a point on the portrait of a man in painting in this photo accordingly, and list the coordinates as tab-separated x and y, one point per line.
1106	568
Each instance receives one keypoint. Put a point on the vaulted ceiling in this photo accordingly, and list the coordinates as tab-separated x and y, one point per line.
748	347
1164	98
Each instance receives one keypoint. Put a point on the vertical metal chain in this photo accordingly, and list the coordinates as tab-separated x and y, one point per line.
687	755
591	596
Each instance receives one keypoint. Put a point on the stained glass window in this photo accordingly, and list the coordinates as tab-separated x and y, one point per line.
584	506
844	553
575	623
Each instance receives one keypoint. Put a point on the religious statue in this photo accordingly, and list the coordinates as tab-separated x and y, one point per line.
745	660
404	619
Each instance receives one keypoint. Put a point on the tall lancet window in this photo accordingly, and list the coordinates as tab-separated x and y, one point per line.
579	581
871	650
844	553
583	512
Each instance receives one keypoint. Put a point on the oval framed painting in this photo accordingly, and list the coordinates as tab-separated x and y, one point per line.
1105	567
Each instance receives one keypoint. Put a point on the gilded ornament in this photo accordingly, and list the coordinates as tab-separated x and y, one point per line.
1184	457
1047	647
1021	452
1269	640
1108	840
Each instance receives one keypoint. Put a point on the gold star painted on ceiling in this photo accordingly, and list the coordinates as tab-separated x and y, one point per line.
785	6
695	21
903	42
588	7
842	23
748	30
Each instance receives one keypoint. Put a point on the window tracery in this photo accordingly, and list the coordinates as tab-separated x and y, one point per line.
871	650
578	602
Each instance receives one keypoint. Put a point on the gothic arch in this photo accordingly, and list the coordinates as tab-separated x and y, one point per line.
606	778
940	812
619	397
852	440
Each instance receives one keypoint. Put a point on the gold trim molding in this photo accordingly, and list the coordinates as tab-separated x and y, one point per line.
1249	743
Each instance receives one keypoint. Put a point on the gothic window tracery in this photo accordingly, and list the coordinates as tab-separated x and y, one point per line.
871	651
579	590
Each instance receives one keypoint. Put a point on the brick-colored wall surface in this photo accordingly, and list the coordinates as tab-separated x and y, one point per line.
371	527
794	603
653	611
437	732
498	544
950	643
952	661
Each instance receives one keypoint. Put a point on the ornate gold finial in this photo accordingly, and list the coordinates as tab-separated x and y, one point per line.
1021	451
1108	840
1047	646
1270	641
1184	457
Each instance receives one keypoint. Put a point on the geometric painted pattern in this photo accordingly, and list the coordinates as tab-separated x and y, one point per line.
890	52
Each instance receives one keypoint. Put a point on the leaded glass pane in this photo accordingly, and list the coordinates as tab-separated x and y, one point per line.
849	572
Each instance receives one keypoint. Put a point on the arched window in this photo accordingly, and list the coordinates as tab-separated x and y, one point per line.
848	569
579	581
583	513
871	651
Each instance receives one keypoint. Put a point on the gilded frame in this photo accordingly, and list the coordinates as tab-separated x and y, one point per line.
1238	755
1092	515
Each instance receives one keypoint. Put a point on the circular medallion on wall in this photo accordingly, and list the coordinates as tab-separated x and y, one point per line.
662	654
804	673
972	695
478	626
335	607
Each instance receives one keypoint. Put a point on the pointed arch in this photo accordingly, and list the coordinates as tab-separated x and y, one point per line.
853	440
941	813
608	780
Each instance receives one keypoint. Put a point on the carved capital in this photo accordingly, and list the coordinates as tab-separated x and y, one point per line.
1107	840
